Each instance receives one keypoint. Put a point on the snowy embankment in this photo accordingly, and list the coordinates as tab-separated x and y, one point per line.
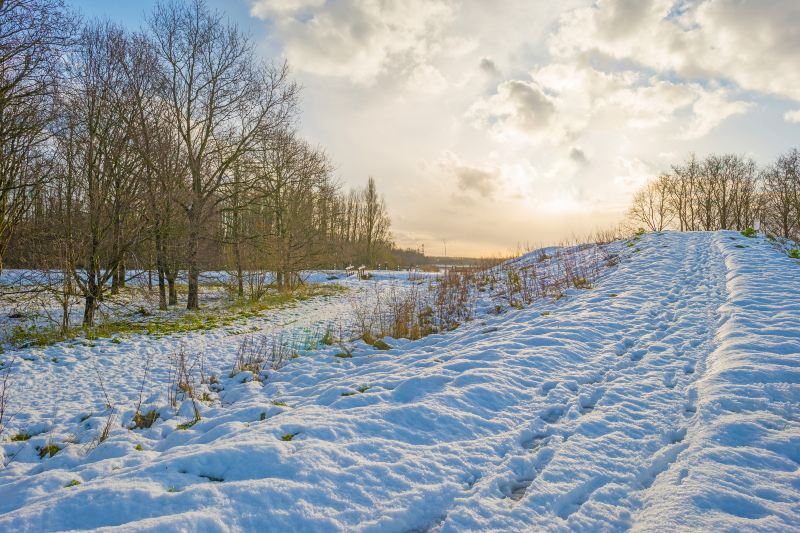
665	397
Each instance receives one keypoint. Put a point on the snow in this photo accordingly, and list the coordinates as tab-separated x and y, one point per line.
665	397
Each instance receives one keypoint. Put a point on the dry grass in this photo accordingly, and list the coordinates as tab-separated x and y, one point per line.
5	394
413	312
181	380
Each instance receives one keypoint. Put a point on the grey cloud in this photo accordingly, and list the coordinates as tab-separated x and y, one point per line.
475	179
533	109
578	156
489	67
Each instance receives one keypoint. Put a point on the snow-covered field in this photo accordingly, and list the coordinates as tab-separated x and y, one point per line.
26	305
666	397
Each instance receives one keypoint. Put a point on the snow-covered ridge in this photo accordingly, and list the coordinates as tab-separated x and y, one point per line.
665	397
741	468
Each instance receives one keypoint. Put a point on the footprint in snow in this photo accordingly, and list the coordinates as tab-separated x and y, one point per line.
572	501
588	402
638	355
551	415
415	388
547	386
623	346
691	404
536	441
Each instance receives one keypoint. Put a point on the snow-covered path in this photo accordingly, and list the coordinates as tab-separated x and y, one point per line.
605	432
666	397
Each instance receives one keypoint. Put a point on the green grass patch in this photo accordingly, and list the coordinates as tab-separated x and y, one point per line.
749	232
48	451
20	437
582	283
794	253
187	425
379	344
144	421
202	320
286	437
272	300
73	483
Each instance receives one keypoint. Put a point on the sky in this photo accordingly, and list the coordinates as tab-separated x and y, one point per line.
491	126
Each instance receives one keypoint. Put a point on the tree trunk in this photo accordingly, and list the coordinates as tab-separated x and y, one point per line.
89	308
162	290
160	268
239	271
173	290
66	291
192	300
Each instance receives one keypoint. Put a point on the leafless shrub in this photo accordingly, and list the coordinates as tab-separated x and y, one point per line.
112	411
418	310
549	273
454	299
107	427
5	392
181	380
257	354
145	420
251	356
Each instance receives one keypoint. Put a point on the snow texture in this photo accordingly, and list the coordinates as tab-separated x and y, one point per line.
666	397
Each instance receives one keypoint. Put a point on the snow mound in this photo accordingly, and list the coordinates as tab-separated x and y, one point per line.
664	397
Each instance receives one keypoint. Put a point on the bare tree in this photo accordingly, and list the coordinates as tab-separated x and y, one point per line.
781	196
651	206
375	221
164	167
292	181
100	185
33	34
683	180
220	100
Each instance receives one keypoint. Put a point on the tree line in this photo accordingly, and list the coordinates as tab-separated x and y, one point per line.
172	148
723	192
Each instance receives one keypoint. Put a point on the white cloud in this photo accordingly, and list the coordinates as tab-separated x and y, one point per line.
357	39
792	116
426	79
709	110
752	43
562	101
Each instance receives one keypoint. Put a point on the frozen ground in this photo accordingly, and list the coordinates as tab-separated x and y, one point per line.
667	397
